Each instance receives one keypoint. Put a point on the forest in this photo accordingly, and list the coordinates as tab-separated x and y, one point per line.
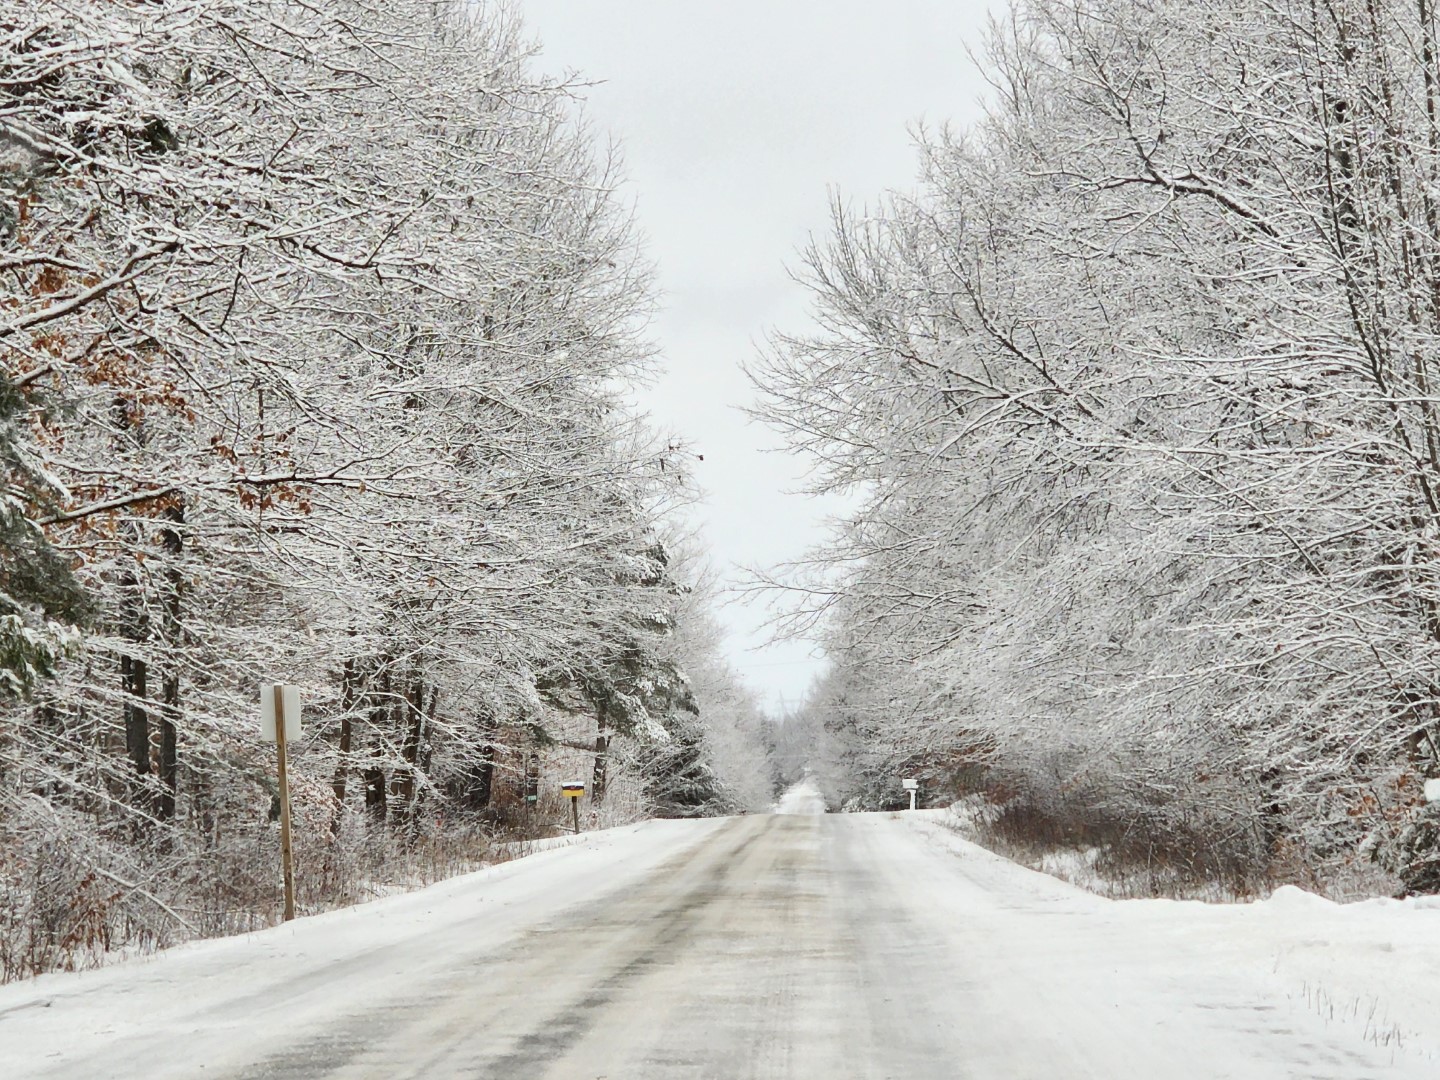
320	323
1131	395
321	328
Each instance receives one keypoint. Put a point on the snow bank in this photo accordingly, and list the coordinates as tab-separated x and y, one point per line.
1374	964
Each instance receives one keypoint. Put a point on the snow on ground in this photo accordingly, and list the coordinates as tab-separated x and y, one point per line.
801	798
786	947
318	967
519	849
1372	966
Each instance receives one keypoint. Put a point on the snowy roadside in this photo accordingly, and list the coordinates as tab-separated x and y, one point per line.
521	849
497	854
1373	965
518	887
787	945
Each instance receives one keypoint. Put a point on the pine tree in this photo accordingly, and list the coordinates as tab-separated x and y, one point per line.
40	601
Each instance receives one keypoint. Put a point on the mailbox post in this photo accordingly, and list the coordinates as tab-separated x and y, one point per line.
573	792
911	786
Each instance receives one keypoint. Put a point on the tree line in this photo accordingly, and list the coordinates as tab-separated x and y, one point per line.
1133	394
319	322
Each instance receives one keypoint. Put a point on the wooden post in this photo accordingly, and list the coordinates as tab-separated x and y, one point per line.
286	862
573	792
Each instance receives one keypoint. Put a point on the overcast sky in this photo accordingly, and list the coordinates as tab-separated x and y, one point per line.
736	120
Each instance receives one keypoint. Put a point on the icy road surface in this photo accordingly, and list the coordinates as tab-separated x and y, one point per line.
795	945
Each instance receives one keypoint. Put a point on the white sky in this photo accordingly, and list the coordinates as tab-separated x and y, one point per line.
735	121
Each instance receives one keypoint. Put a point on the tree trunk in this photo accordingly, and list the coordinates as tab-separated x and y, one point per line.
375	799
602	750
172	544
133	624
481	787
169	748
374	774
409	718
137	720
424	750
349	694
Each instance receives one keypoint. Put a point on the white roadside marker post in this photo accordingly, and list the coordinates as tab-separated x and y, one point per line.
280	720
573	792
911	786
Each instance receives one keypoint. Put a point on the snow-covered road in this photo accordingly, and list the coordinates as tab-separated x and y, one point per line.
794	945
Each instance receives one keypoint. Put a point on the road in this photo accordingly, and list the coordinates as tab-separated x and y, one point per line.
785	946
